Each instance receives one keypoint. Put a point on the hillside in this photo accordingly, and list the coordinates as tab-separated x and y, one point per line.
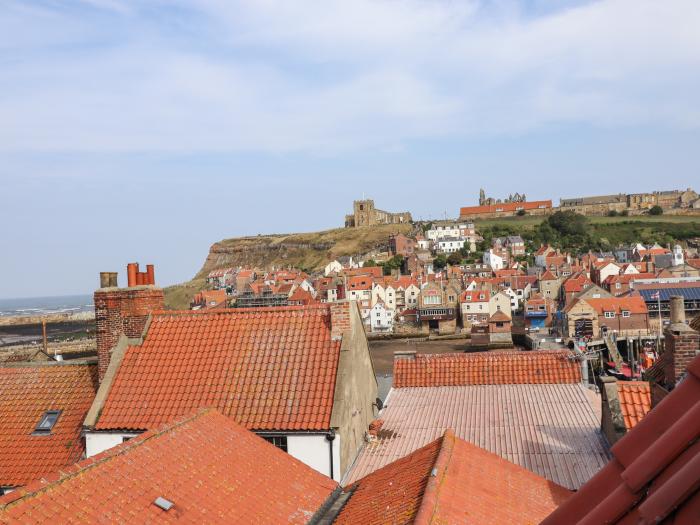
308	251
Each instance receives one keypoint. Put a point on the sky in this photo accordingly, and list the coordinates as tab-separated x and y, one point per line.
146	130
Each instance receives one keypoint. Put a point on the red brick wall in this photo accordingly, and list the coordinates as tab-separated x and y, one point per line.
684	346
122	311
340	318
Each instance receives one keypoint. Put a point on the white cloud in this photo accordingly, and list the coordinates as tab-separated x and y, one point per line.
327	76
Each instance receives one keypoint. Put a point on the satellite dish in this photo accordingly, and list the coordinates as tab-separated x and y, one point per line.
379	404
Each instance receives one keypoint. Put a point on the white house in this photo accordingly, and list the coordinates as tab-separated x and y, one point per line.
165	380
332	267
381	318
496	262
385	294
449	245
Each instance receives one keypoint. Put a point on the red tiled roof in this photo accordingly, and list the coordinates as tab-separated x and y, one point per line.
653	476
26	393
474	296
451	481
548	276
268	368
627	277
632	304
210	468
635	401
487	368
360	282
504	207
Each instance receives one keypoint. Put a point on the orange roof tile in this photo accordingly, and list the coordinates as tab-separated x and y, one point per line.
451	481
548	276
653	475
475	296
635	401
268	368
27	391
487	368
632	304
210	468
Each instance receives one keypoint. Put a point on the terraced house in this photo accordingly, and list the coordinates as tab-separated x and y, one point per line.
299	376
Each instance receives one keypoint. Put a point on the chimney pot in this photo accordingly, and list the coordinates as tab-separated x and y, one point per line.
104	279
113	280
677	310
150	271
132	271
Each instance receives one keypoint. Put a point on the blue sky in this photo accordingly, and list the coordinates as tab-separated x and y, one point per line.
147	130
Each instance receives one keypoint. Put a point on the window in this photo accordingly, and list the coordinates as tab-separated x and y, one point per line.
618	286
47	422
625	313
279	441
610	315
431	299
126	438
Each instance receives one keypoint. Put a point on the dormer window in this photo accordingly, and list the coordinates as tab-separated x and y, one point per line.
47	422
625	313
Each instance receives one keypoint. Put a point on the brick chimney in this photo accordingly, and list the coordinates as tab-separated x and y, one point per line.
123	311
681	344
340	318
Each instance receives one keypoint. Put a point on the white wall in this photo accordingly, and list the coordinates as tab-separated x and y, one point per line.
313	450
96	442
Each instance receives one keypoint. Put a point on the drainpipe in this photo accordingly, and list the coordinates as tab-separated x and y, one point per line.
330	437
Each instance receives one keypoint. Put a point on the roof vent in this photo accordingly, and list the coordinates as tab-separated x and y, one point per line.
163	503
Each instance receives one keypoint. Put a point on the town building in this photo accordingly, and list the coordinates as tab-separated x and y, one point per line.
207	299
301	376
365	214
538	312
221	278
400	244
523	406
506	210
494	260
620	315
437	307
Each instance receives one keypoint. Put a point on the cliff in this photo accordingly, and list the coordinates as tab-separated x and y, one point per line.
307	251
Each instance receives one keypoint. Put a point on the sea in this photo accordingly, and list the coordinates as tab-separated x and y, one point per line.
64	304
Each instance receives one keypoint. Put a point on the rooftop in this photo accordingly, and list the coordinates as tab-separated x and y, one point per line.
549	429
268	368
27	392
451	481
488	368
207	466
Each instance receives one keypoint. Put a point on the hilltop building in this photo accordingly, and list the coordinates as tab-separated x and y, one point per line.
632	202
365	214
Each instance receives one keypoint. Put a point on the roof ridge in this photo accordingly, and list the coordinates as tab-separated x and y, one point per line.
429	502
86	361
50	481
317	306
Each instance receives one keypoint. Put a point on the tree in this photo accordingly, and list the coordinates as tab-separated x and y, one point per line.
394	263
454	259
624	213
612	213
568	222
370	263
656	210
521	213
440	262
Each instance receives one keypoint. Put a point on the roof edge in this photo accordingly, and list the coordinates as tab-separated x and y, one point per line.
38	364
429	502
117	356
